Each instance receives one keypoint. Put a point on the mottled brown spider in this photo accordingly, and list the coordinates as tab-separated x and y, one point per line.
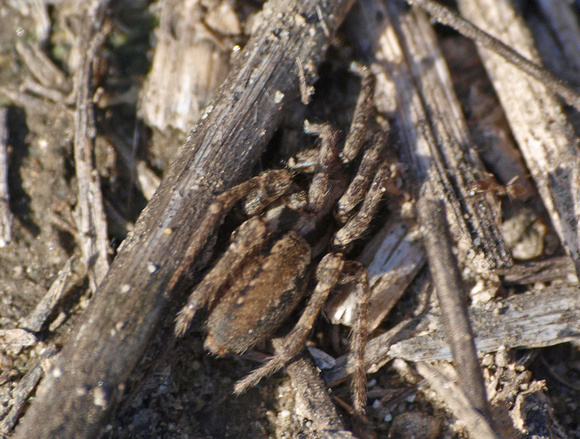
264	272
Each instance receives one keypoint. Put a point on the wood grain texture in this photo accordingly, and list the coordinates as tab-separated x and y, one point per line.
536	118
539	318
437	149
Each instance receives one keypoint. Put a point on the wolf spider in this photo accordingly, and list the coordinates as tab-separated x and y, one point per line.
263	274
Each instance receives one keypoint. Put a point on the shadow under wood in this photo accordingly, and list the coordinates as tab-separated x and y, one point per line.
18	153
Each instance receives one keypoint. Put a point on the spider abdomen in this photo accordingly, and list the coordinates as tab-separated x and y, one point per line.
260	298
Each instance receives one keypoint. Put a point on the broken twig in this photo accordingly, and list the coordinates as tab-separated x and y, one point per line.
5	214
36	320
452	301
540	318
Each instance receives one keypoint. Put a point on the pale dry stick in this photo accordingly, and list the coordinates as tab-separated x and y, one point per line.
537	120
107	346
451	293
36	320
443	381
90	212
306	91
43	69
6	219
468	29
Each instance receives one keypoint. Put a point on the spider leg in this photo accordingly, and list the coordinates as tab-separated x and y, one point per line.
327	275
247	239
359	185
274	183
358	224
359	336
360	120
327	159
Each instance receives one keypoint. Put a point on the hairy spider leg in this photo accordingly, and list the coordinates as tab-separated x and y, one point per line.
327	160
328	272
359	223
356	190
247	239
358	339
360	120
275	183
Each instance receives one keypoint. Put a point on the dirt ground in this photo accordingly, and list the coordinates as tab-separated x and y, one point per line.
179	391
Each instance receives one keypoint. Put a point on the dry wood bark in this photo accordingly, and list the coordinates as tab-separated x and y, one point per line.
82	388
533	414
540	318
537	120
437	148
557	268
189	65
90	212
36	320
23	391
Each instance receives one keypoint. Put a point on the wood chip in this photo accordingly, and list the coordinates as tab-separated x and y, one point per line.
188	66
12	341
542	317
